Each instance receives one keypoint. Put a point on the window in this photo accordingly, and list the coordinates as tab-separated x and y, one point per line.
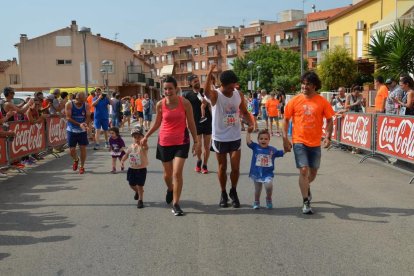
14	79
268	39
203	78
277	38
158	72
157	59
257	39
202	51
196	65
360	43
196	51
63	62
63	41
314	45
162	58
288	35
109	66
347	42
189	66
229	63
203	65
231	48
324	45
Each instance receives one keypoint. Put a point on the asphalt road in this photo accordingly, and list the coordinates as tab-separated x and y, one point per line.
56	222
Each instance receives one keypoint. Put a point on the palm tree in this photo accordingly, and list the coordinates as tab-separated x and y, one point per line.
393	50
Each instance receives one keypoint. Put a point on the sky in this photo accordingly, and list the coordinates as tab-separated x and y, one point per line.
135	20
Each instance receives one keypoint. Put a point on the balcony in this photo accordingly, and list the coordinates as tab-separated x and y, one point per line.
183	56
312	54
136	78
150	82
232	52
181	71
288	43
323	34
248	46
214	53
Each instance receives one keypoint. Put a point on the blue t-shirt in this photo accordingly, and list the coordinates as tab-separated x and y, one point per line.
101	109
263	162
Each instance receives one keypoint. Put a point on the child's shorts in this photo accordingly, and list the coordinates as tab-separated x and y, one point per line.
136	176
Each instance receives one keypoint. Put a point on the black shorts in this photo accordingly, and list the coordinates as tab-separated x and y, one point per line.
137	177
204	128
140	114
225	147
166	154
92	116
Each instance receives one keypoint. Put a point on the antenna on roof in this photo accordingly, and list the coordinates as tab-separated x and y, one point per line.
116	36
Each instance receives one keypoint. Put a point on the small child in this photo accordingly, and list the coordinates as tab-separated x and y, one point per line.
262	166
116	147
138	162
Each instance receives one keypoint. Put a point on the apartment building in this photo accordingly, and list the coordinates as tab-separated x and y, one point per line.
222	45
56	59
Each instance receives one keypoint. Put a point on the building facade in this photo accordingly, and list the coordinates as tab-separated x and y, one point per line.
56	59
10	74
183	58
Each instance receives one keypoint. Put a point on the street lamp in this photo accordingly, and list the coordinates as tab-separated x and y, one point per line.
84	31
105	65
250	65
301	25
258	68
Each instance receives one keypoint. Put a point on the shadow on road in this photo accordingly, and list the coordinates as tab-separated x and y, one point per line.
18	199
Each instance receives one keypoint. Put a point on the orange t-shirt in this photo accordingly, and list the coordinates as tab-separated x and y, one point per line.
272	107
138	105
382	94
89	100
308	114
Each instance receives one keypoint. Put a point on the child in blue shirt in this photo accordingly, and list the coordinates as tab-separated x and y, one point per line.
262	166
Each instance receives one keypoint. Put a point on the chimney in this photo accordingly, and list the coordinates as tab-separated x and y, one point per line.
73	26
98	35
23	38
14	59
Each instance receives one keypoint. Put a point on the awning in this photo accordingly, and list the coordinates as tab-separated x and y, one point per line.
385	24
167	70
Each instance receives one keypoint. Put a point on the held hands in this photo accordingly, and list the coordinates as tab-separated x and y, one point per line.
326	142
144	142
250	129
287	145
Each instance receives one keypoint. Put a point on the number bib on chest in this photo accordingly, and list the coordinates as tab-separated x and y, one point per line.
263	160
134	160
230	119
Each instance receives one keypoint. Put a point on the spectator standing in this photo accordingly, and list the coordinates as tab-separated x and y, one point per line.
139	110
338	101
354	101
395	91
263	99
101	117
272	111
382	94
148	107
407	102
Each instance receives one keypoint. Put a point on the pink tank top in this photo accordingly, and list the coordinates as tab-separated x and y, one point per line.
173	131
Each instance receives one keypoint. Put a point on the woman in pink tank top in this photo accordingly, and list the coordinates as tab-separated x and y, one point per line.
174	115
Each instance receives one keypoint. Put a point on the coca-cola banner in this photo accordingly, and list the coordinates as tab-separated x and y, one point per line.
56	131
3	157
356	130
395	136
29	139
334	128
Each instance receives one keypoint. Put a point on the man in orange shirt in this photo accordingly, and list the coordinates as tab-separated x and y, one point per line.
272	111
139	110
382	94
307	111
89	100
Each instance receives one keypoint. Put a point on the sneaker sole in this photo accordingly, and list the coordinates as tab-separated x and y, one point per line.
177	214
308	213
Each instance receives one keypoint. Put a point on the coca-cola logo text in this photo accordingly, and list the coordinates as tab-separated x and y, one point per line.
28	138
356	131
397	136
57	130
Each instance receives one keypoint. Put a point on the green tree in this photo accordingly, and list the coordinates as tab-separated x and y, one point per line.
279	69
337	69
393	50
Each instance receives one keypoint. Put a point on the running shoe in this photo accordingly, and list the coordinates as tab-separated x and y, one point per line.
113	171
224	200
256	205
81	170
2	174
269	204
198	166
107	145
96	147
234	198
75	165
204	169
19	165
203	119
136	196
176	210
169	197
140	204
307	210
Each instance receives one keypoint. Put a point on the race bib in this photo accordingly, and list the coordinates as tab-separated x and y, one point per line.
263	160
134	160
230	120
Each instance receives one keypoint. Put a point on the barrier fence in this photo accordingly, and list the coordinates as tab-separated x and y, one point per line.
383	136
30	139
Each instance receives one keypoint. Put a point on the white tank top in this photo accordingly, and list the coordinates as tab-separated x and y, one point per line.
226	117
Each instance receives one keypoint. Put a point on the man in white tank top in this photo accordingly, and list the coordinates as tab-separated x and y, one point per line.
227	104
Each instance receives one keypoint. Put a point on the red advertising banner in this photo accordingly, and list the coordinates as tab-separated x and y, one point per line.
3	157
395	136
56	131
334	128
356	130
29	139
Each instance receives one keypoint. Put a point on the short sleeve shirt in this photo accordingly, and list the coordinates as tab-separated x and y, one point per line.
263	162
116	146
272	107
101	109
307	116
381	96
